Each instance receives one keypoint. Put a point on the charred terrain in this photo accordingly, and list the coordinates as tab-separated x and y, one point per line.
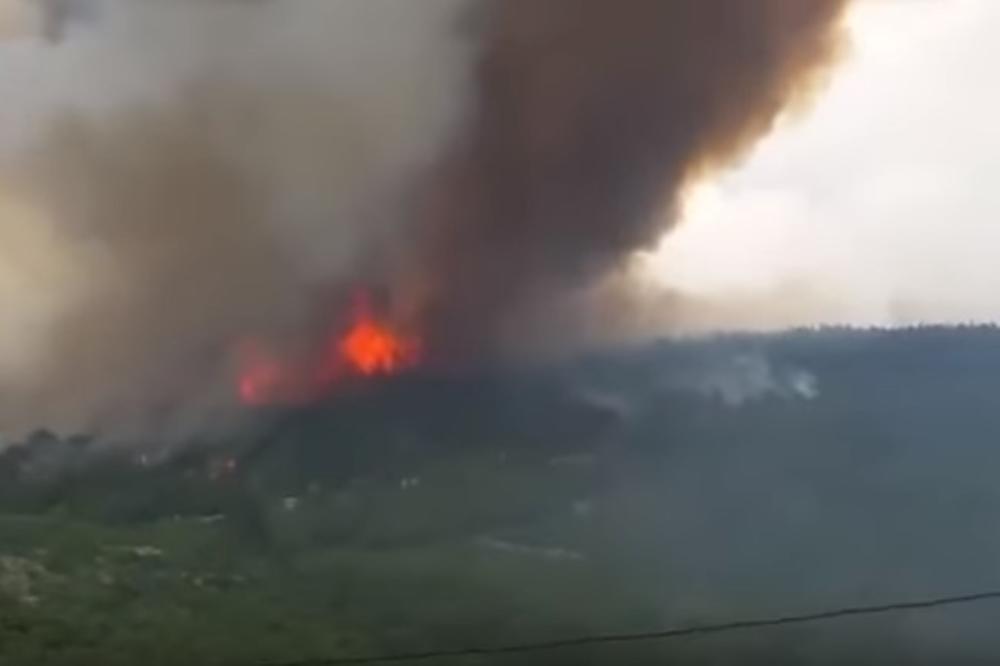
679	483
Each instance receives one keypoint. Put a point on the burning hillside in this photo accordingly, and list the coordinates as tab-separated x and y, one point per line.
482	161
367	347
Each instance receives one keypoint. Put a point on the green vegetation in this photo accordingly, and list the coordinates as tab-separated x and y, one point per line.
686	482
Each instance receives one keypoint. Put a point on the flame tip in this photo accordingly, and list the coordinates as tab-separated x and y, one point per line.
368	348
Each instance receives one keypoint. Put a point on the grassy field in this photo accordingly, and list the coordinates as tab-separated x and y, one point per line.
190	591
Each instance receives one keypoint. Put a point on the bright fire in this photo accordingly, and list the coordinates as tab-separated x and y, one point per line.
368	347
373	349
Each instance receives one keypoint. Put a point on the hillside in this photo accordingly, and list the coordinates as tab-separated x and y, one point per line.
681	482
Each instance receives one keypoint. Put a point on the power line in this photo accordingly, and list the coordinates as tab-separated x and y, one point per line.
734	625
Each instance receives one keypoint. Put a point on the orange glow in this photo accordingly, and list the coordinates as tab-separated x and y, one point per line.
263	379
368	347
372	348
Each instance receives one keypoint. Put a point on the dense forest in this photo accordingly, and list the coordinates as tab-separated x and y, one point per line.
675	483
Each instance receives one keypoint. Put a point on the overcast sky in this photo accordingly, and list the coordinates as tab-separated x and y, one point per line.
883	200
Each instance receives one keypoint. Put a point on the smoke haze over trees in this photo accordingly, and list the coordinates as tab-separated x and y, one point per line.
189	174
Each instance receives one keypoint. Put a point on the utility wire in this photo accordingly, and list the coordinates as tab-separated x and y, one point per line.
734	625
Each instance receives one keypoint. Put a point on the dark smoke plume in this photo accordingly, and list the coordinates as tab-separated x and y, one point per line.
592	117
193	173
197	172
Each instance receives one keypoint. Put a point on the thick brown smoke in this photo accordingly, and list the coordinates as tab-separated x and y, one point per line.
213	170
592	117
207	170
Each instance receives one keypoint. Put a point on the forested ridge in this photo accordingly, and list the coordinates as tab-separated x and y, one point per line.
681	481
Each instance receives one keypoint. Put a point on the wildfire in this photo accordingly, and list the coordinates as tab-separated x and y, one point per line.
368	347
371	348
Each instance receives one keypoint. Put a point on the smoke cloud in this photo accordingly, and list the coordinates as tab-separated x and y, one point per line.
593	117
204	171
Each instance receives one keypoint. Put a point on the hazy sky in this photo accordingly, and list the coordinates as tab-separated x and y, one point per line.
883	200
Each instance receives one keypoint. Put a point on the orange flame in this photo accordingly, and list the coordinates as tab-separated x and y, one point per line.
368	347
371	348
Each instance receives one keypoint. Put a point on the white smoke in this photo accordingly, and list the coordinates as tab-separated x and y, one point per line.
743	378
